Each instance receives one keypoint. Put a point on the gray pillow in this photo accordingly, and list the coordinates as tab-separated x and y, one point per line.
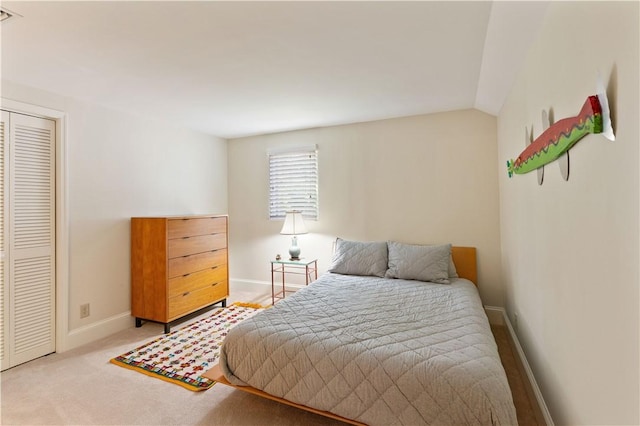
422	263
359	258
453	272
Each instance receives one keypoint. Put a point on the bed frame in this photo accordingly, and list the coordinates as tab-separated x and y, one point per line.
465	260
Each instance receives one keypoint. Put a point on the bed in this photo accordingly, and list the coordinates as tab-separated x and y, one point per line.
392	334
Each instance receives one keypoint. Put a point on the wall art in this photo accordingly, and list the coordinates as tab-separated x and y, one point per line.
556	140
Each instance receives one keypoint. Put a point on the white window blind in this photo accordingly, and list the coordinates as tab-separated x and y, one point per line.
293	182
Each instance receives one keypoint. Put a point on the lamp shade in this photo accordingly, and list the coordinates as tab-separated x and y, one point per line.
293	224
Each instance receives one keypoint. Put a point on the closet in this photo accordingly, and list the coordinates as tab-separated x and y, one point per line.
27	238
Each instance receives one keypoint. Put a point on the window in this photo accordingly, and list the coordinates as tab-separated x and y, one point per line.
293	182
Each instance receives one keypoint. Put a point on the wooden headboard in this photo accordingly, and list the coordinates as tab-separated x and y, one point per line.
465	260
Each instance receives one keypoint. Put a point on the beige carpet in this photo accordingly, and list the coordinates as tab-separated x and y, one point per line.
81	387
529	414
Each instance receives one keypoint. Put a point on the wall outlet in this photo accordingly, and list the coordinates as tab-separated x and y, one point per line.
515	321
84	310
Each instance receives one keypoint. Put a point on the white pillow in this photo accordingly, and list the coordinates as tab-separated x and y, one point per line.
359	258
422	263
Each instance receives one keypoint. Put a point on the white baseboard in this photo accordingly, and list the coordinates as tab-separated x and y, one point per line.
98	330
494	312
248	285
495	315
108	326
236	284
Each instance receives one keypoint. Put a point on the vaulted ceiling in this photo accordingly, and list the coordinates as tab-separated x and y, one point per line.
234	69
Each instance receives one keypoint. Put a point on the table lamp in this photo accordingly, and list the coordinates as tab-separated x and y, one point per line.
294	225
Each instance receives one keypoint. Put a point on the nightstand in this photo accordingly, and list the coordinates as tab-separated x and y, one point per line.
305	267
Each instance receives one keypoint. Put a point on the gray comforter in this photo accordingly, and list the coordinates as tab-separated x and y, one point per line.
378	351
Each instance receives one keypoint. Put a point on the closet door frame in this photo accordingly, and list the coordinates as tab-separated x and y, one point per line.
61	212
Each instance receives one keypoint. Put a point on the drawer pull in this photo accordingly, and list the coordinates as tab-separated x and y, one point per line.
214	267
214	284
186	275
185	293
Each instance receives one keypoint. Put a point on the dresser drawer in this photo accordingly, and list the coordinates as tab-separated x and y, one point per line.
185	283
194	300
196	262
179	228
199	244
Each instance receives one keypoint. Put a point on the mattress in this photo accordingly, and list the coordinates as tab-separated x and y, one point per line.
378	351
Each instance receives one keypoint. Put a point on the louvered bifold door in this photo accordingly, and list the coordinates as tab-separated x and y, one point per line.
31	238
4	177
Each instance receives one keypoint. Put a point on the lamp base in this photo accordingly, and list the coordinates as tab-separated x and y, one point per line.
294	250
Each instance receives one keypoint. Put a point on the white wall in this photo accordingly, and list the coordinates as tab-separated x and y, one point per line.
118	166
570	250
423	179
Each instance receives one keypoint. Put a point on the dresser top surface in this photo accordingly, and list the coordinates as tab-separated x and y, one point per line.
194	216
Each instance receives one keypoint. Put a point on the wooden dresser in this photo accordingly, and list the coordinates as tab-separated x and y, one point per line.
178	266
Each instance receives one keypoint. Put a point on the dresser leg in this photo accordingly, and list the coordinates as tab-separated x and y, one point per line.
224	303
138	322
167	328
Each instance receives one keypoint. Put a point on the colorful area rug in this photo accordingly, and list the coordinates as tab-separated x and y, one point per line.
182	355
